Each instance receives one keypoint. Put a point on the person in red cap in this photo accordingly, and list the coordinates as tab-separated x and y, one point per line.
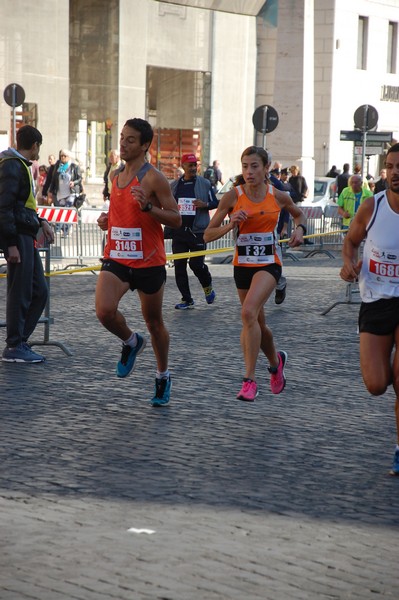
195	198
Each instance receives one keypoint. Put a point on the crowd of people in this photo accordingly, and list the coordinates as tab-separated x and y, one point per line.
142	203
60	183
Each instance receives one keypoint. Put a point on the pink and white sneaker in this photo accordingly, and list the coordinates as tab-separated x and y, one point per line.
249	390
277	377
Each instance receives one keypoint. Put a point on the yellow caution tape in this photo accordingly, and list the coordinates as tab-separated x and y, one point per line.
170	257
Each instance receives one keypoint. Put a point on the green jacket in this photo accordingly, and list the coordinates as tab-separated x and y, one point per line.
347	200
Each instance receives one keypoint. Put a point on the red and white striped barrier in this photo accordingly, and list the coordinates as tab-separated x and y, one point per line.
90	215
312	212
58	214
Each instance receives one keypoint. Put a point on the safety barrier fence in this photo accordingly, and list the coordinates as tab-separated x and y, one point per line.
79	239
46	319
325	227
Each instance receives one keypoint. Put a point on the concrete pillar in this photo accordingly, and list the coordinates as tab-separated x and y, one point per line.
285	80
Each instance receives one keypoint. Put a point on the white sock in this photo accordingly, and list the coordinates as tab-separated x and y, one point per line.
131	341
163	375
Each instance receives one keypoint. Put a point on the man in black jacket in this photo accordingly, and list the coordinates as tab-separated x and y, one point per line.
19	223
343	179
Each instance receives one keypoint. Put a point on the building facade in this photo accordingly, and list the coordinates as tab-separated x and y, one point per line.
199	74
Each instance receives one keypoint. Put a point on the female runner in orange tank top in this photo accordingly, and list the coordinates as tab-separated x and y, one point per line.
254	208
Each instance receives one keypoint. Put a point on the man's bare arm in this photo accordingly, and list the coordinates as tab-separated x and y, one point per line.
356	234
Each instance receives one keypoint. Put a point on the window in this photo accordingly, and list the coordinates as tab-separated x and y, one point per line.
362	43
392	47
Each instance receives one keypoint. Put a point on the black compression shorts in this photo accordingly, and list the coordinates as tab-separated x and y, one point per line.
380	317
148	280
243	275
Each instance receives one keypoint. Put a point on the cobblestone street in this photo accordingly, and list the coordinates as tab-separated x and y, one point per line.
287	498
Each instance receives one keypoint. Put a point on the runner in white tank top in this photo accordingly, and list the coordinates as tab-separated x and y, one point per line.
377	221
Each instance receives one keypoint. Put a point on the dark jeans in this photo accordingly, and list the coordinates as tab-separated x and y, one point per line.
27	292
184	240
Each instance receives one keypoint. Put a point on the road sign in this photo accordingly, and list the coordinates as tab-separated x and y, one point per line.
379	136
265	119
371	136
14	95
365	117
350	136
369	149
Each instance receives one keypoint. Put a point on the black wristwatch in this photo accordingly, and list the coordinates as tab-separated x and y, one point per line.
303	227
147	207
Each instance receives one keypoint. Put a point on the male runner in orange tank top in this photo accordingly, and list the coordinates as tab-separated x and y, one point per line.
134	256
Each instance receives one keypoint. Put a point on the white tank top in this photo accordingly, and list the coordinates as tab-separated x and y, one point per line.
379	275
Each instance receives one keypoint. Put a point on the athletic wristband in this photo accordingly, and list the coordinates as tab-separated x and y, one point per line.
303	227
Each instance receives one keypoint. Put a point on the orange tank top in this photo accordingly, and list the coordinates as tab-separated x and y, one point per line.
134	238
256	237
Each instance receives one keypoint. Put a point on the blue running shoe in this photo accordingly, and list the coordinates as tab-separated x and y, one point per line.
22	353
162	392
395	466
128	357
183	305
210	294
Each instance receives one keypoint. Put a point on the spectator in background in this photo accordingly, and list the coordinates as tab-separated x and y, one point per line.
114	164
382	184
214	175
40	183
333	172
371	183
351	198
195	198
284	180
50	172
282	228
35	170
276	169
343	178
357	170
66	183
27	290
299	185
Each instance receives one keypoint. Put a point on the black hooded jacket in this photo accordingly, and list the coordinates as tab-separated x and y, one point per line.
15	188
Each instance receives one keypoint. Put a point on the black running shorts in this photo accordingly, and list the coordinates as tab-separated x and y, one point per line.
380	317
148	280
243	275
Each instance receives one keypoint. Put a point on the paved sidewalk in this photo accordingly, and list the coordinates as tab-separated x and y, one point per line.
284	499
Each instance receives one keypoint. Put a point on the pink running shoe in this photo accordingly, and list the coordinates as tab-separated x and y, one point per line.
249	390
277	377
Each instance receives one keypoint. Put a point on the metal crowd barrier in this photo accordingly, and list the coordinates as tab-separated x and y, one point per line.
84	241
46	319
79	240
66	225
332	222
314	226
